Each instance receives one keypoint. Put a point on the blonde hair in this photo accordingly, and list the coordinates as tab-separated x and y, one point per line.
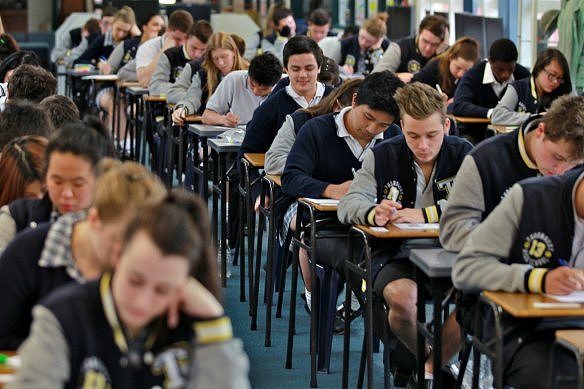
125	15
419	101
124	187
220	40
376	25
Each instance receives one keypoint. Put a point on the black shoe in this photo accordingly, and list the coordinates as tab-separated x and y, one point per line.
339	323
413	382
306	307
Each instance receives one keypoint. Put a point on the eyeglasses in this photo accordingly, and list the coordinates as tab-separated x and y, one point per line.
552	77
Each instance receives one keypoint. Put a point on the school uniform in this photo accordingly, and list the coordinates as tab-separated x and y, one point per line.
362	61
34	264
390	172
478	92
324	153
519	102
534	227
170	65
90	347
100	48
24	213
402	56
429	75
124	53
180	91
485	176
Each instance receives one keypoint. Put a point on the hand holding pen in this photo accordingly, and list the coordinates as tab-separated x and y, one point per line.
104	66
563	279
230	119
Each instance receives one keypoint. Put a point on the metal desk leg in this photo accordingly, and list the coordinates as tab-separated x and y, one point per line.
222	173
437	343
294	289
421	314
204	190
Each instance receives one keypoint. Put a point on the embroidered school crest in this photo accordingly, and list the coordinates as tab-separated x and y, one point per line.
445	185
177	71
538	249
413	66
174	364
350	60
393	191
94	374
127	57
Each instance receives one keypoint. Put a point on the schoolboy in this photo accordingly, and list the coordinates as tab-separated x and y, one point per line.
406	179
532	242
284	29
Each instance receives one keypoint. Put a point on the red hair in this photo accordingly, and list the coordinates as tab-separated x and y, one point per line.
21	163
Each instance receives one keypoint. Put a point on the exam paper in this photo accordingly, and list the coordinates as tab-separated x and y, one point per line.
323	201
574	297
418	226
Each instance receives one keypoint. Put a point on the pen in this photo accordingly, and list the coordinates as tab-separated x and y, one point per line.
541	305
3	359
102	58
563	262
439	89
354	172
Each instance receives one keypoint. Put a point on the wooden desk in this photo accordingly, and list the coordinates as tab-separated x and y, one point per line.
256	160
320	207
520	305
6	372
572	341
128	84
155	99
500	128
277	179
101	77
573	337
471	120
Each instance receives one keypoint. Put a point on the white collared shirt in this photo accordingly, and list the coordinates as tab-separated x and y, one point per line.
489	78
354	145
301	100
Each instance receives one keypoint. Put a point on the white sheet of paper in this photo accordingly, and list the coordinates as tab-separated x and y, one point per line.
418	226
324	201
379	229
574	297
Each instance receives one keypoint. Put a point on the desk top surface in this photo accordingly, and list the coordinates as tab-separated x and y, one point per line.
277	179
255	159
6	372
136	90
521	305
155	98
435	263
190	119
207	130
322	205
221	145
471	120
81	73
572	337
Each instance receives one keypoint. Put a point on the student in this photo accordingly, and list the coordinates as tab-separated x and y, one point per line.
360	53
60	110
480	89
447	69
532	242
330	148
284	29
241	92
220	59
147	55
173	60
31	83
16	59
21	168
66	42
550	78
105	24
126	52
543	145
406	180
8	45
77	247
21	118
101	48
70	164
408	55
302	61
134	312
319	25
338	99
